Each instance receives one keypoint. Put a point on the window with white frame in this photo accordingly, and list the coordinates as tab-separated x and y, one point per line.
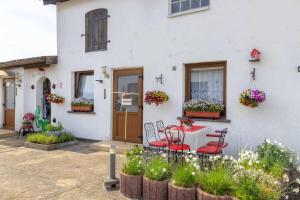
178	6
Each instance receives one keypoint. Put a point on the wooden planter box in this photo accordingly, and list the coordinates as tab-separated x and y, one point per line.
180	193
201	195
211	115
131	186
155	190
87	108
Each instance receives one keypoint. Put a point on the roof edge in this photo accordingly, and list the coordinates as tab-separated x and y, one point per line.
47	2
27	62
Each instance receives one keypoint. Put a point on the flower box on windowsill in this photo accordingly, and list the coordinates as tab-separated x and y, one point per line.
83	108
203	114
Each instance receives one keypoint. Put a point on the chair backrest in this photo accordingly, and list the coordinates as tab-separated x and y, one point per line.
160	128
28	116
222	138
174	131
150	131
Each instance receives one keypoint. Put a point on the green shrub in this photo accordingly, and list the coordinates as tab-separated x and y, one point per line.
184	176
53	127
133	166
157	169
217	181
66	137
42	138
135	151
247	189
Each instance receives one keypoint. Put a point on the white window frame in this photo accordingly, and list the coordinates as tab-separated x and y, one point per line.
186	11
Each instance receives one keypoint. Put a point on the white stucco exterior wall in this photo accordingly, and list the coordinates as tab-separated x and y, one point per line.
142	34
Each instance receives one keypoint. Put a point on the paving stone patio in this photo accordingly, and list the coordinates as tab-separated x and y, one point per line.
70	173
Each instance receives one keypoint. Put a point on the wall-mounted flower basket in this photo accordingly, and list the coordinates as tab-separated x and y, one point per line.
54	98
82	105
156	97
252	98
203	109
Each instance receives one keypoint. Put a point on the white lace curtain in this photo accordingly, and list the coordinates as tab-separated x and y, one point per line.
207	84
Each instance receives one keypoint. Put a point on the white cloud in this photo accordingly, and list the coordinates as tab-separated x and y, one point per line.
27	29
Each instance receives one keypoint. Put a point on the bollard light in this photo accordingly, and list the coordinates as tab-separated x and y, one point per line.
111	182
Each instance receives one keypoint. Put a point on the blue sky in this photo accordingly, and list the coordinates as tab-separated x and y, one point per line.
27	29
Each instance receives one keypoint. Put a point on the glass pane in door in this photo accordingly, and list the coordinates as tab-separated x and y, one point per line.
10	94
128	84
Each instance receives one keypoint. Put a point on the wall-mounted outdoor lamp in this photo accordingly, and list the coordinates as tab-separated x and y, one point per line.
32	87
104	72
299	69
159	79
53	86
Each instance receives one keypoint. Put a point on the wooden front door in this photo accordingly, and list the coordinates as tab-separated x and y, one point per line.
9	103
128	81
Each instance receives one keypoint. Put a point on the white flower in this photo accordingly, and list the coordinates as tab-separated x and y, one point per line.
195	159
287	197
164	155
296	190
193	152
226	158
298	169
286	178
291	160
164	170
173	182
268	140
297	181
193	173
152	170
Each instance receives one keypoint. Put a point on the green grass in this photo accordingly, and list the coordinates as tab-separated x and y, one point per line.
158	169
184	176
41	138
133	166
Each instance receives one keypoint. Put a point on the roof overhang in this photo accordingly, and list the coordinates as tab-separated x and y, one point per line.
30	63
47	2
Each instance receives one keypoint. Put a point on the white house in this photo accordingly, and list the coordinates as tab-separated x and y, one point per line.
105	46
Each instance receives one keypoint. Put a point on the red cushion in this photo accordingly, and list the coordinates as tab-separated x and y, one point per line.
179	147
158	143
216	143
209	150
175	140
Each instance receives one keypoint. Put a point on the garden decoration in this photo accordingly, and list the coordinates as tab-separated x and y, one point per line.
205	109
39	121
82	105
255	55
252	98
54	98
156	97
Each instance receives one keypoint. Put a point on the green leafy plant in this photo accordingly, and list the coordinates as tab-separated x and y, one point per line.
184	176
42	138
204	106
133	166
157	169
53	127
217	181
135	151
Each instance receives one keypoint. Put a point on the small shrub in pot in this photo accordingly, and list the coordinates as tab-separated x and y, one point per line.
131	178
156	177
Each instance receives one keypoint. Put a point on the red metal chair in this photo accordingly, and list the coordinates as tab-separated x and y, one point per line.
214	148
217	134
161	130
178	146
151	137
27	125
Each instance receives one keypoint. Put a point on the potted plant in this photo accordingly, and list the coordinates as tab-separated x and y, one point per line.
183	181
156	177
157	97
216	182
54	98
251	98
131	179
82	105
52	129
205	109
187	122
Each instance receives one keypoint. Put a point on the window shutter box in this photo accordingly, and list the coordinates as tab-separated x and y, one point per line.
96	30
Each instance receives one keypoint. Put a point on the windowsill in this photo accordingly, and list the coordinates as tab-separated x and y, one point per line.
89	113
188	12
222	119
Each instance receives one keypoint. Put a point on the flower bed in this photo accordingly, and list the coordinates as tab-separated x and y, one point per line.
82	105
205	109
254	175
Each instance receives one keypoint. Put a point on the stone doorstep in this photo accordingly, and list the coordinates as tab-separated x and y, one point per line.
121	147
49	147
7	134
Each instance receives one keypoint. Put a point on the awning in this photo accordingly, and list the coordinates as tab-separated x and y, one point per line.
29	63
